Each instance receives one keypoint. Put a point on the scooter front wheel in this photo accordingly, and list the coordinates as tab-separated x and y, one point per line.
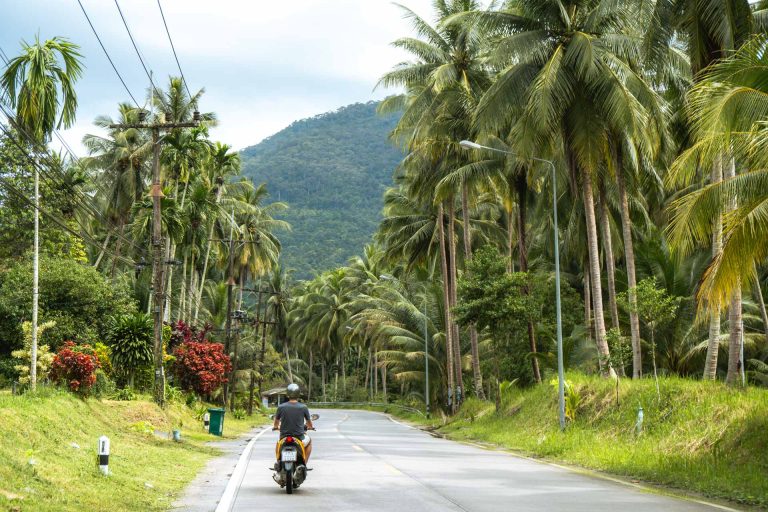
289	482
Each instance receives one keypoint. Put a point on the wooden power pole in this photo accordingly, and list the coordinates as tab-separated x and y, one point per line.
158	258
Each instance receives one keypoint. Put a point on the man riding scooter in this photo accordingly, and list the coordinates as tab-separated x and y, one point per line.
293	420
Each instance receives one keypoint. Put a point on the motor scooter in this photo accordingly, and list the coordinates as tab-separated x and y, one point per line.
290	470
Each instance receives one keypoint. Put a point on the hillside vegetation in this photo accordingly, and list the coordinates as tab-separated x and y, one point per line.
48	453
700	436
332	170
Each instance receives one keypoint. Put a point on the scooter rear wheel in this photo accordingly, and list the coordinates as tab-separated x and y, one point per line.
289	482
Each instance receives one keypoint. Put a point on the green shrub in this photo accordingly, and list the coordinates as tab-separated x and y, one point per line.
125	395
77	297
239	414
104	386
131	342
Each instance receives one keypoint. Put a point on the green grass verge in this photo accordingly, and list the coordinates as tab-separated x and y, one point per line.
698	437
48	453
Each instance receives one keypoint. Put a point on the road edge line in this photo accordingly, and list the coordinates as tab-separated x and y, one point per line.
644	487
227	498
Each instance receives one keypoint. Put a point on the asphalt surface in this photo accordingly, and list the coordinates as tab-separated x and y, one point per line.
364	461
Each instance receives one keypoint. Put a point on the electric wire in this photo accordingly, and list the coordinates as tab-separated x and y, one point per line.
90	210
107	54
135	47
173	48
61	223
55	165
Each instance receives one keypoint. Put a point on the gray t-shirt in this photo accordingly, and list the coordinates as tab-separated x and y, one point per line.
292	417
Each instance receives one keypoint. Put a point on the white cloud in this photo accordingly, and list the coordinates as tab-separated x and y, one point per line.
263	64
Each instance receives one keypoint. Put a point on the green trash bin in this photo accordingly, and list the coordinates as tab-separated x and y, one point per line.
216	426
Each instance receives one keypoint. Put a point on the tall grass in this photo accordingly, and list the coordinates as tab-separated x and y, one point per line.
699	436
48	453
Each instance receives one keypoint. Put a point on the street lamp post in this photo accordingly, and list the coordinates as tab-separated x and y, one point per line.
426	344
467	144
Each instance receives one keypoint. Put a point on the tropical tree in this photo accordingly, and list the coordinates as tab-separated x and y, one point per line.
574	66
39	84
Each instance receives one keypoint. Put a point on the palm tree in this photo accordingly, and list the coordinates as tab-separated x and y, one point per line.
445	82
728	110
40	87
119	162
573	66
709	29
222	165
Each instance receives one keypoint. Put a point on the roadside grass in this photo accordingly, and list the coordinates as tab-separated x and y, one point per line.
48	452
699	436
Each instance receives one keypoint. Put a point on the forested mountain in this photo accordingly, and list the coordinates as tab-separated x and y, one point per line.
332	170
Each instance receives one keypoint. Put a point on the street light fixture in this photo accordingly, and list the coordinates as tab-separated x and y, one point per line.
426	343
468	144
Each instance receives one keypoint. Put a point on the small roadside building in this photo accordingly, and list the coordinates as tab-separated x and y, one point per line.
274	397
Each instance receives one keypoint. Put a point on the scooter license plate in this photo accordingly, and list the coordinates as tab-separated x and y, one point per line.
289	456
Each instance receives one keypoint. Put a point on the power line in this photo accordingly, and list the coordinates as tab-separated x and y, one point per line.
173	48
89	208
107	54
62	224
135	47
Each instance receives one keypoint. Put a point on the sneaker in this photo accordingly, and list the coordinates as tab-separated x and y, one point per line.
277	466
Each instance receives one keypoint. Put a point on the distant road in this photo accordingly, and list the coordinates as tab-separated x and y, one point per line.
364	461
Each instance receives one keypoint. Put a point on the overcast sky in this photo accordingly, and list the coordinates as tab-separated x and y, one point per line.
263	63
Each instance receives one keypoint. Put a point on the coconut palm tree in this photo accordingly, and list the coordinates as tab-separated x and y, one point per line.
709	28
728	110
573	65
118	162
445	81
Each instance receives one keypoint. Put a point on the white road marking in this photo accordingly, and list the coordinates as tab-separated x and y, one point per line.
228	498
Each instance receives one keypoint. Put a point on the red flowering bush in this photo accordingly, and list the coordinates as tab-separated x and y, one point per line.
182	332
201	367
75	366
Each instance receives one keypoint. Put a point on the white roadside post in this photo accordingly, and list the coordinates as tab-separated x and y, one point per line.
207	421
103	449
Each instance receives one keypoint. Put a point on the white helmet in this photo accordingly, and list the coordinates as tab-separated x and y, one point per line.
293	391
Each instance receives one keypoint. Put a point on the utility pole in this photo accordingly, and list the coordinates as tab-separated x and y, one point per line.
158	259
256	324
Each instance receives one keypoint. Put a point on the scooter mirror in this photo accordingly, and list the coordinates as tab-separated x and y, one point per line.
315	417
271	416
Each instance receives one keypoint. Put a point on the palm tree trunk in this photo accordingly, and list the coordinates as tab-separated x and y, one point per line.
324	378
384	382
183	289
713	344
735	327
761	304
610	266
521	185
477	375
735	320
118	249
103	250
594	264
629	256
309	378
170	250
452	288
192	276
288	361
199	296
510	241
449	368
368	369
588	306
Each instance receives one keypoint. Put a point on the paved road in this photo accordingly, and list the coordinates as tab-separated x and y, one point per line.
364	461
